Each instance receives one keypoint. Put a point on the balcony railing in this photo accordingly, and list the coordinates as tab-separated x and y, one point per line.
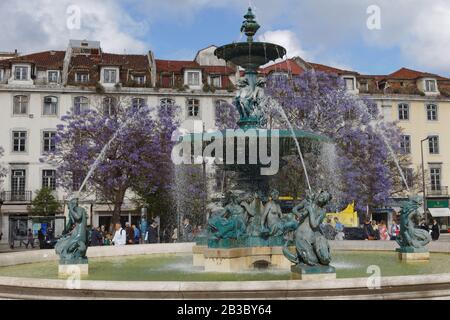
16	196
437	191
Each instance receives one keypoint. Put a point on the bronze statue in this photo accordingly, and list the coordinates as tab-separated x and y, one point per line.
72	247
312	248
412	238
272	217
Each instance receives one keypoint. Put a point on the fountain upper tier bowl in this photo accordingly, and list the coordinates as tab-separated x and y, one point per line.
250	55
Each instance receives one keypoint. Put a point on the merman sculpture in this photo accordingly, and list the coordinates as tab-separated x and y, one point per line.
412	240
73	245
312	251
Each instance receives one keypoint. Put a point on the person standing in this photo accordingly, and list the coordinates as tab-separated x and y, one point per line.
120	236
153	233
41	238
96	237
130	233
435	230
369	233
137	234
384	234
175	235
395	230
30	238
187	231
339	227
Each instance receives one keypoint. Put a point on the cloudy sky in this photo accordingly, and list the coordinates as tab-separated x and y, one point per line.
411	33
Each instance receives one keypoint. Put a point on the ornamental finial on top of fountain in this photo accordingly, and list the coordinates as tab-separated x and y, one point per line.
250	26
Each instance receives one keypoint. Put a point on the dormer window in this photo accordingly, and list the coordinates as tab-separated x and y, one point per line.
430	85
140	80
110	76
216	81
82	77
193	78
21	73
53	76
350	83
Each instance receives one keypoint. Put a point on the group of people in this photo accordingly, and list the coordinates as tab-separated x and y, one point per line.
129	235
45	239
133	234
379	231
333	229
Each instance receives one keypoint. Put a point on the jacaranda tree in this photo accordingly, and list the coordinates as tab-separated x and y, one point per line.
133	158
319	102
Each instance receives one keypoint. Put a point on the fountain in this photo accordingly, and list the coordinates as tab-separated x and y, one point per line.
249	230
251	250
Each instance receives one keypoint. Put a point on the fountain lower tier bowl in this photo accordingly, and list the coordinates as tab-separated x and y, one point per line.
250	55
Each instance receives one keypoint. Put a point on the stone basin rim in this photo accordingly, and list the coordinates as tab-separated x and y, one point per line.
415	286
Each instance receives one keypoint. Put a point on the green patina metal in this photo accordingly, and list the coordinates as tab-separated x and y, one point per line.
411	238
72	247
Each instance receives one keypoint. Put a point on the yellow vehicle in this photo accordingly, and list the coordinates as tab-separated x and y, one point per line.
348	217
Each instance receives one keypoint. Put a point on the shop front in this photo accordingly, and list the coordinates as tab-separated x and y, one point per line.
439	210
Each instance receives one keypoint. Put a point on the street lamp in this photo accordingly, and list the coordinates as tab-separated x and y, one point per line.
423	179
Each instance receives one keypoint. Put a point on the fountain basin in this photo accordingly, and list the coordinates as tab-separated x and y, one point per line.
406	281
250	55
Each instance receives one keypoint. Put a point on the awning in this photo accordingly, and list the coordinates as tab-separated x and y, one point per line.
440	212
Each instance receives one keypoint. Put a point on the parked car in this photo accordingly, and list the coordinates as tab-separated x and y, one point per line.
354	234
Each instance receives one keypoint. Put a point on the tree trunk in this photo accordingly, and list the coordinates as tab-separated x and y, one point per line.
118	207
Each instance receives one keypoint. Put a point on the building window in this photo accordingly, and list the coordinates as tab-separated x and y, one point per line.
193	107
167	103
18	185
50	106
53	76
193	78
350	83
82	77
110	76
140	80
409	176
432	112
216	81
387	112
21	73
49	179
2	74
19	141
430	86
49	144
20	105
80	105
433	143
110	106
405	144
138	103
403	111
77	180
435	175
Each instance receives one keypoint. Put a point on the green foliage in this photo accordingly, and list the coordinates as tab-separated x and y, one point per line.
45	203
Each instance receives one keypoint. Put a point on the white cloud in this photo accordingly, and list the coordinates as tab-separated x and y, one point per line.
34	25
286	39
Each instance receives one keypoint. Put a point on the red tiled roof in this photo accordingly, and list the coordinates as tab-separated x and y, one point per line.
409	74
284	66
46	59
175	66
219	70
135	62
328	69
